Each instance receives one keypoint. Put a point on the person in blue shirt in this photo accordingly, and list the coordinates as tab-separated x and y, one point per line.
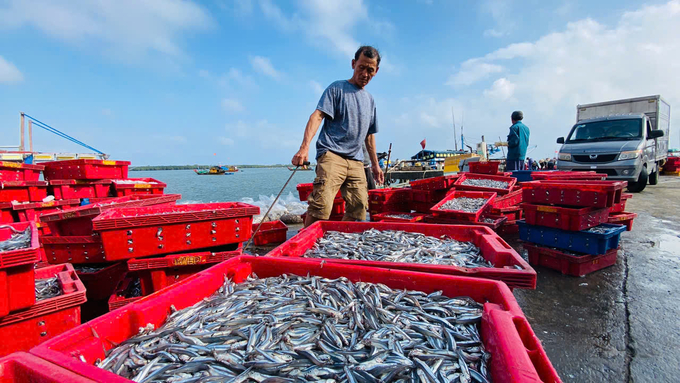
518	141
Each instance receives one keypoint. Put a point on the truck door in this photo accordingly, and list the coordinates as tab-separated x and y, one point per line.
650	146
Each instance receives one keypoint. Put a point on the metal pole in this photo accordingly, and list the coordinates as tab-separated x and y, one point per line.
387	164
21	146
30	135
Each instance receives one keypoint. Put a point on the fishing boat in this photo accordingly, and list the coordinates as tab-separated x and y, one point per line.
213	171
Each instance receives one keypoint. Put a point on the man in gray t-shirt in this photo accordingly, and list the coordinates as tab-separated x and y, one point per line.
350	121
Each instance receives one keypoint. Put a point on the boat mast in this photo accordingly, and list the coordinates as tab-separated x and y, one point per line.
455	140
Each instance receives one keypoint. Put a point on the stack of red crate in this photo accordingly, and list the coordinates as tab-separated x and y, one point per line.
338	210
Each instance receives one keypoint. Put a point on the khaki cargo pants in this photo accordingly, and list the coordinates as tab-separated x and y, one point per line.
334	172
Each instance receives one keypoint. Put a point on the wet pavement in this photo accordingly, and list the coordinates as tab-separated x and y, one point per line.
622	323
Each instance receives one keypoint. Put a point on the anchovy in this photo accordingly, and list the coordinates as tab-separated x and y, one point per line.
17	240
47	288
89	269
464	204
293	329
493	184
397	246
599	230
400	216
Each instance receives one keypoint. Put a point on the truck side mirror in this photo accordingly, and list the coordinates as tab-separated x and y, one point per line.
560	140
656	133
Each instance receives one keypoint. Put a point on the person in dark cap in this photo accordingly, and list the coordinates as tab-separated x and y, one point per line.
518	141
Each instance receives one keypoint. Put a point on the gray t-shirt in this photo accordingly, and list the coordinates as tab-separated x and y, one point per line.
351	117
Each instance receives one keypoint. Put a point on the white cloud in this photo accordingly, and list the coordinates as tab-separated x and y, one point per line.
316	87
493	33
232	105
9	72
472	71
263	135
119	27
264	65
503	16
274	13
226	141
501	89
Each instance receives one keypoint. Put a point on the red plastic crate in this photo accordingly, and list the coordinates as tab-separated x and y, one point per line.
497	221
133	186
575	265
621	206
86	170
23	191
17	287
484	167
73	249
390	195
118	299
434	183
269	232
304	191
513	213
32	211
24	367
492	247
6	215
517	353
419	207
333	217
157	230
338	207
385	217
16	171
574	193
157	273
568	175
49	317
573	219
453	214
78	221
67	189
21	256
101	284
623	218
514	198
466	176
431	196
509	228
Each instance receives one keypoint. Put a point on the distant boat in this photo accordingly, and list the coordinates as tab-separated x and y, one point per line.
301	168
213	171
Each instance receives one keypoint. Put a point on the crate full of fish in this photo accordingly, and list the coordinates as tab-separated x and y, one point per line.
78	221
596	240
68	189
86	170
565	218
17	171
574	193
132	186
395	216
486	183
23	191
484	167
476	323
158	230
157	273
473	251
488	220
19	252
81	249
58	295
434	183
270	232
568	175
567	262
24	367
463	205
623	218
100	280
425	195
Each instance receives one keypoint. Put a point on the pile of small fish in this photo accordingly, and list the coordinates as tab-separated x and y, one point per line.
488	220
17	240
464	204
134	289
399	216
486	183
599	230
89	269
397	246
303	329
47	288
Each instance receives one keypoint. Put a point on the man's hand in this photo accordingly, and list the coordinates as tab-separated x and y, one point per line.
300	157
378	174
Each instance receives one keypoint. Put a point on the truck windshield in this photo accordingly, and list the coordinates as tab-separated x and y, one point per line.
606	130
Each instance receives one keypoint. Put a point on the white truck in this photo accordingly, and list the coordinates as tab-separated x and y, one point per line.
626	139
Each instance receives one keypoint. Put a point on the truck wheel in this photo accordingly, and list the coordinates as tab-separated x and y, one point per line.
640	184
654	177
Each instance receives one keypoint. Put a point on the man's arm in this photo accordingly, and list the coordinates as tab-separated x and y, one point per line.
375	165
312	127
513	137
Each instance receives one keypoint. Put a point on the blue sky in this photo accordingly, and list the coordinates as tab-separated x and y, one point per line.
176	82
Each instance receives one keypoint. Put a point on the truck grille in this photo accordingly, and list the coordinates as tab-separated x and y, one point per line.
599	158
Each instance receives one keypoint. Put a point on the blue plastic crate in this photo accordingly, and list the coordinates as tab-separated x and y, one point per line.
523	175
577	241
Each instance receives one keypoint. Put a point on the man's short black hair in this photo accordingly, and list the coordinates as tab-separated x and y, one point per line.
517	115
369	52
